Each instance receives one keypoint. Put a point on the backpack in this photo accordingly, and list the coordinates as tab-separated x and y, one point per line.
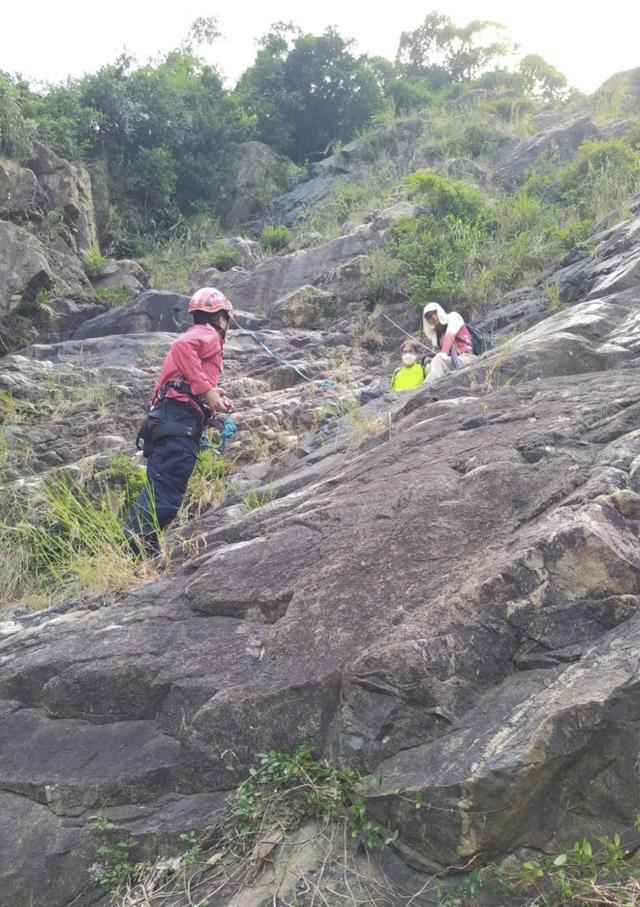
480	343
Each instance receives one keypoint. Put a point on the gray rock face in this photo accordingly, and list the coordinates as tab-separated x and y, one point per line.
288	207
450	603
67	187
275	277
517	311
154	310
258	174
27	267
442	590
612	266
512	161
18	188
125	274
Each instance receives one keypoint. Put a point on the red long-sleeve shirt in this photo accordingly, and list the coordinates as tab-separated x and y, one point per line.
196	356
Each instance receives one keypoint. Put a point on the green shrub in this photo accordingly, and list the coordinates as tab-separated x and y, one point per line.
441	254
603	176
38	306
509	109
15	131
445	196
272	239
471	249
603	873
480	139
348	200
225	257
94	263
113	296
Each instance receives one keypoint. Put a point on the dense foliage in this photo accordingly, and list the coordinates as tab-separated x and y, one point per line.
167	129
468	248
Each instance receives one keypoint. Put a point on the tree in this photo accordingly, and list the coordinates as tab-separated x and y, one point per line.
15	130
307	90
541	79
262	90
443	52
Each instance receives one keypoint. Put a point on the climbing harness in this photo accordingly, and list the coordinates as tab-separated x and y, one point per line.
180	385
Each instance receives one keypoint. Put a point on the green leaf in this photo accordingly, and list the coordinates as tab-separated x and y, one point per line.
560	860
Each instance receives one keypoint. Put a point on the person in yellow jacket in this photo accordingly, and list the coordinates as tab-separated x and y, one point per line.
411	373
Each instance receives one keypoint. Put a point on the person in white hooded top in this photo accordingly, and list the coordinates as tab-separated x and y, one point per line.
445	330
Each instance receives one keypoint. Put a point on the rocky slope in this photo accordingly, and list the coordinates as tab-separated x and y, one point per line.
441	589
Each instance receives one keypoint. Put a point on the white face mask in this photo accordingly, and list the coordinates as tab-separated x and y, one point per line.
409	358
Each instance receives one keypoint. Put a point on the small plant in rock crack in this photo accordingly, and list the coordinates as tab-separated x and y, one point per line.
253	498
287	789
194	849
94	263
607	873
114	866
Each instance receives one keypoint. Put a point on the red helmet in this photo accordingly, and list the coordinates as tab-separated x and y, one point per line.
208	299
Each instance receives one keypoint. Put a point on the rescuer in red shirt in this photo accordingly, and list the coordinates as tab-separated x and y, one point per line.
185	398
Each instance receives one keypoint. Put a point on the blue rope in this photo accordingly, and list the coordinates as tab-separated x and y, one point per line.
270	353
228	430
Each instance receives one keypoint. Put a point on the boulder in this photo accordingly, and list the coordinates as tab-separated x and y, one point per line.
288	207
249	251
335	164
512	161
204	276
125	274
67	187
463	168
33	279
258	174
18	187
275	277
306	307
400	210
153	310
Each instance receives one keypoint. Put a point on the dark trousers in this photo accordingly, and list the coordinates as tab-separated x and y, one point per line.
169	469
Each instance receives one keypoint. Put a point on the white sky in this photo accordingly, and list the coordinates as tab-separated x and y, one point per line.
47	41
